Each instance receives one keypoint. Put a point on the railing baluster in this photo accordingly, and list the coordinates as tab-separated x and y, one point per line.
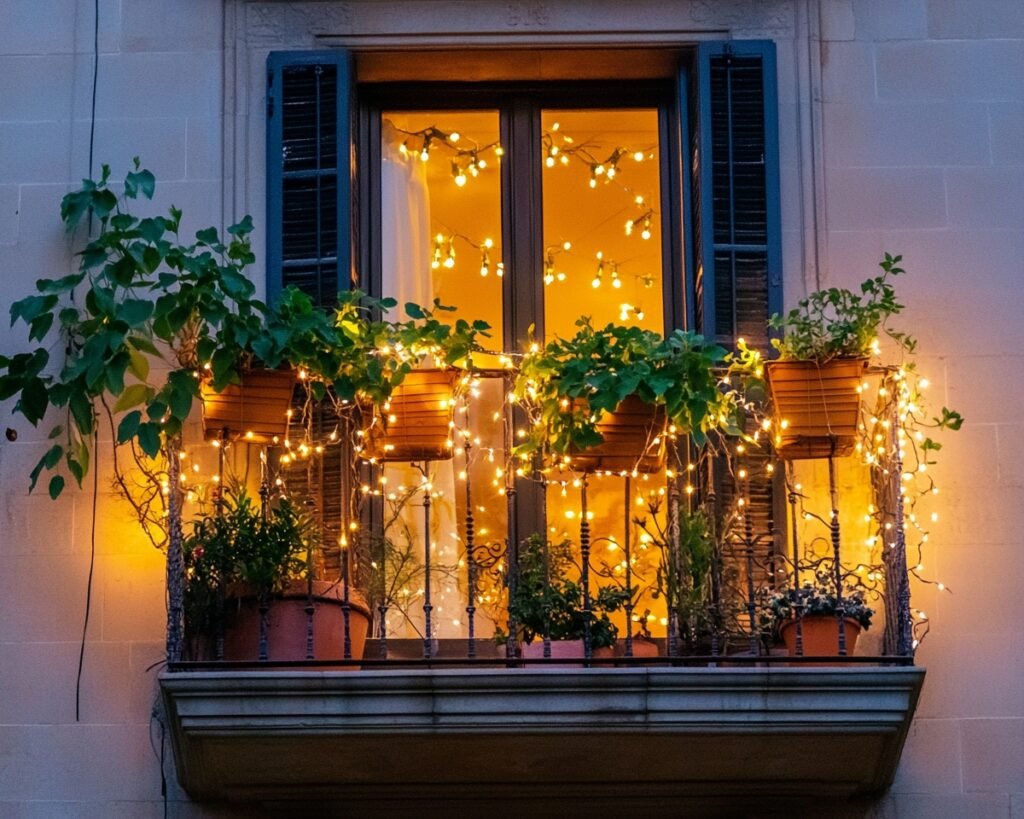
427	608
629	569
798	607
588	649
837	569
470	559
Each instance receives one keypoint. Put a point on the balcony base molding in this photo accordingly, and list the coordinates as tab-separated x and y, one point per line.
635	736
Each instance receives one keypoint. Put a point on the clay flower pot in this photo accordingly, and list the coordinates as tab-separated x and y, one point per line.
415	424
634	438
286	634
254	410
817	406
821	635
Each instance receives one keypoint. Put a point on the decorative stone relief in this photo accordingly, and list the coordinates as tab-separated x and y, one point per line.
527	15
285	23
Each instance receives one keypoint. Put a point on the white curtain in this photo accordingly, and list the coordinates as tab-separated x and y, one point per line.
406	241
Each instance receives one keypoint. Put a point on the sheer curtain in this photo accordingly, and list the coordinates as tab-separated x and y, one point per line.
406	276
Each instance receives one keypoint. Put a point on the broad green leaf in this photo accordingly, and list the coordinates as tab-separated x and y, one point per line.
129	426
149	438
133	396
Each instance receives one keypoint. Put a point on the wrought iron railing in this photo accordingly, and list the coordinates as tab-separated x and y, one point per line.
751	555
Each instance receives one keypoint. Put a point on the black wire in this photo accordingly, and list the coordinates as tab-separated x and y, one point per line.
95	78
92	567
95	474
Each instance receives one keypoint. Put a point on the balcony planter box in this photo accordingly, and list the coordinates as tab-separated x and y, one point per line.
821	635
634	438
415	425
254	410
286	634
820	404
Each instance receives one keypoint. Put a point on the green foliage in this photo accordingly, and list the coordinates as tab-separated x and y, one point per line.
147	314
838	323
683	576
568	385
353	352
140	296
240	545
545	599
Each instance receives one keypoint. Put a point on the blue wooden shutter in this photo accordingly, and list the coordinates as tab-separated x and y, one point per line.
737	281
309	237
738	261
309	173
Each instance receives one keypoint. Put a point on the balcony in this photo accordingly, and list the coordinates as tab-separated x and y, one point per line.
636	734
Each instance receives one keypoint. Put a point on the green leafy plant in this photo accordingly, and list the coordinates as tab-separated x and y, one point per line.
144	316
838	323
238	544
567	385
684	575
353	353
545	600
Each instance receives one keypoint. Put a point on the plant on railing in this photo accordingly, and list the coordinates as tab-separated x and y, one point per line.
143	314
838	323
546	602
817	599
568	385
240	550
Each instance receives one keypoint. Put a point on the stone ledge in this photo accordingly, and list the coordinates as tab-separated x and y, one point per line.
666	733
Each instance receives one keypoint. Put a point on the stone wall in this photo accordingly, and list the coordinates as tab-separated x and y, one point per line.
902	129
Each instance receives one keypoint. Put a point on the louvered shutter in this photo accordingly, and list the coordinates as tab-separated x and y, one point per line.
309	173
737	233
309	241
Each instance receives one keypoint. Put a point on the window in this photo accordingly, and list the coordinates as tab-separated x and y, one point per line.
652	202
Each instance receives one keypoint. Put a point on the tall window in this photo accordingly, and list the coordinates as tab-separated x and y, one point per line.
650	203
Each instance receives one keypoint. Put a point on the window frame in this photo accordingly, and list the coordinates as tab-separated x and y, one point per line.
687	192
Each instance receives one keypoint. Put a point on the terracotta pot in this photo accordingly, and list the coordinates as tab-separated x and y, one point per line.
415	425
562	650
641	648
633	439
255	410
820	635
286	635
820	404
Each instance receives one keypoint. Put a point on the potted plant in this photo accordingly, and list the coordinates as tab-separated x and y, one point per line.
546	602
816	382
817	606
608	398
426	358
249	587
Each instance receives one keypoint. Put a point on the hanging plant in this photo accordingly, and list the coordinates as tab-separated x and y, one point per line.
141	321
570	386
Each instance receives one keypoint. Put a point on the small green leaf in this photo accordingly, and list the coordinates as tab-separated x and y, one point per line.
56	486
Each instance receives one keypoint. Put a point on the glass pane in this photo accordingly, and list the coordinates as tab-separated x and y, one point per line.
602	232
441	239
603	259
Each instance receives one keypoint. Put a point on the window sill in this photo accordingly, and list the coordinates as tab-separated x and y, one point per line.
552	734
